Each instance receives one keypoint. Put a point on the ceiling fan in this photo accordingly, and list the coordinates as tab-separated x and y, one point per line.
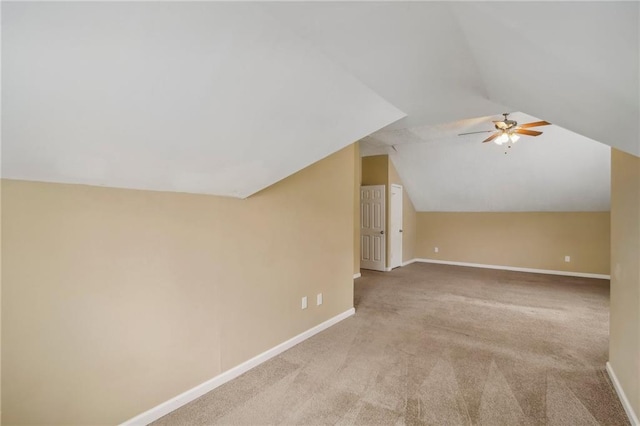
509	130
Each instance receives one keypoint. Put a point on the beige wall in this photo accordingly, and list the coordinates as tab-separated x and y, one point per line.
116	300
537	240
356	207
379	170
624	338
375	170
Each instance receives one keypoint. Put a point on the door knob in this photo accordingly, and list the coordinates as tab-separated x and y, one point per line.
382	232
400	230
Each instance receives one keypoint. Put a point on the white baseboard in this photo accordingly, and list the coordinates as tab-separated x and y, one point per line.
176	402
409	262
358	275
517	269
623	397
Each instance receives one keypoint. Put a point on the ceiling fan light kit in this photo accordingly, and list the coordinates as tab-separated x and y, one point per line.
506	137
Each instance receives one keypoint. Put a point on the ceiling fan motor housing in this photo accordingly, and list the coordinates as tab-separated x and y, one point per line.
505	124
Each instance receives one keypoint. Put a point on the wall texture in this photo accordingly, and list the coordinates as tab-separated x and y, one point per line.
117	300
624	337
529	240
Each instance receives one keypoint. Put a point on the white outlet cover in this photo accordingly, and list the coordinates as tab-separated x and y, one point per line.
319	299
567	258
304	302
436	249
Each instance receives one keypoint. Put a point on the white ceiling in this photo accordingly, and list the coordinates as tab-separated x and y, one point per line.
414	54
227	99
573	63
213	98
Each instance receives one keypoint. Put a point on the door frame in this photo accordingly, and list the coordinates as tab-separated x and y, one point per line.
392	235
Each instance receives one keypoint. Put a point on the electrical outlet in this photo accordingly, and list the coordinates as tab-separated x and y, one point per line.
436	249
567	259
304	302
319	299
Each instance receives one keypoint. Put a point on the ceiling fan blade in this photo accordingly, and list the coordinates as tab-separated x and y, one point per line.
473	133
492	137
534	124
527	132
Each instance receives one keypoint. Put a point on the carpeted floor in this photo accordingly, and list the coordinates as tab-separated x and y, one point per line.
438	345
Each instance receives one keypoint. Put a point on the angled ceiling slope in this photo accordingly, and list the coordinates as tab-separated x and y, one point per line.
414	54
574	63
201	97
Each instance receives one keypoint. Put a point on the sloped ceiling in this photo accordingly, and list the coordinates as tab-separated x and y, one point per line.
213	98
414	54
574	63
453	67
227	99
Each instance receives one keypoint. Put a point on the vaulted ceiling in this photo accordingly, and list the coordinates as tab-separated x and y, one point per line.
228	98
214	98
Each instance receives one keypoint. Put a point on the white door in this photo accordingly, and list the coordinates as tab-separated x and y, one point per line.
395	225
372	236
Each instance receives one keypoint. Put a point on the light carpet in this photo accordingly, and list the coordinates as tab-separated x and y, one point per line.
438	345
